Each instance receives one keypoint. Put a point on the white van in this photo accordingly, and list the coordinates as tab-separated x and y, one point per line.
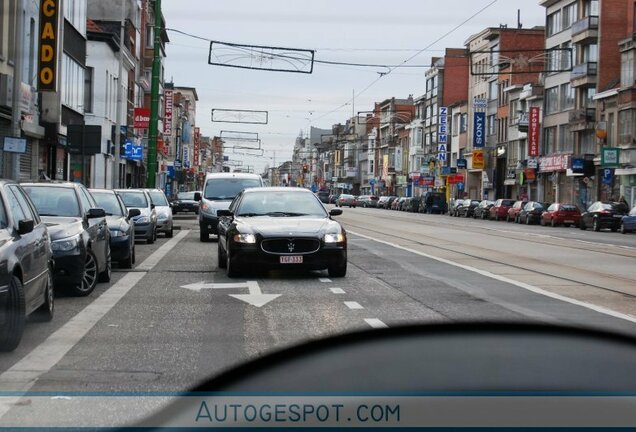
218	192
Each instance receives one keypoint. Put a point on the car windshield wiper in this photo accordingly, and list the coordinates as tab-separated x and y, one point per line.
250	214
285	214
47	214
219	198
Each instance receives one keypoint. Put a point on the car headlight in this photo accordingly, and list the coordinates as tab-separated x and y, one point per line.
245	238
65	244
334	238
162	216
142	220
117	233
208	209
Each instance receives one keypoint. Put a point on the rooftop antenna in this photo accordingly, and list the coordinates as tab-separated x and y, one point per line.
519	25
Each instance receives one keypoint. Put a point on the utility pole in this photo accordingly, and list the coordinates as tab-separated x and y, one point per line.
154	101
120	82
16	111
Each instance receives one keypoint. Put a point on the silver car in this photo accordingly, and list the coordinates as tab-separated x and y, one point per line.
146	222
164	211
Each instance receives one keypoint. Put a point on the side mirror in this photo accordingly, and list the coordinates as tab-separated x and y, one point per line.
152	206
95	213
335	212
197	196
224	213
25	226
133	213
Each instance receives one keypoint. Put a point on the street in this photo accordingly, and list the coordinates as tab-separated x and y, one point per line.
176	318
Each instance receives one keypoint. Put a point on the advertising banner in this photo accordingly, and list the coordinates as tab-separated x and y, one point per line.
142	118
168	98
479	129
534	132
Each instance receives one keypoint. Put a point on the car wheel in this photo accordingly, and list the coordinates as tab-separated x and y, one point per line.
595	225
339	270
89	276
151	238
128	262
231	269
553	223
507	218
204	236
542	222
527	220
106	274
154	233
45	312
220	256
566	225
170	233
623	229
15	310
582	225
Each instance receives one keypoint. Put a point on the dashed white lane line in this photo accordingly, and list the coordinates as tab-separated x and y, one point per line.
375	323
500	278
337	290
324	280
25	373
353	305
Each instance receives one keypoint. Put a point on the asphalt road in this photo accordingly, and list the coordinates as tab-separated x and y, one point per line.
170	322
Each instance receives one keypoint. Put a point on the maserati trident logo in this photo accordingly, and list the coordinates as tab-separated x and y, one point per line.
291	246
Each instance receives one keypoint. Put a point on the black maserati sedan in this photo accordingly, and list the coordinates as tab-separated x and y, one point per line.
26	285
280	227
80	239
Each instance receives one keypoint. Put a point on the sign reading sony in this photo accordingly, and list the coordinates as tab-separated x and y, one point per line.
47	50
479	133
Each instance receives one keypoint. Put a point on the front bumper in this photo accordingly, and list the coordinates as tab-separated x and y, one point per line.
143	231
164	225
252	256
208	223
119	248
68	270
184	207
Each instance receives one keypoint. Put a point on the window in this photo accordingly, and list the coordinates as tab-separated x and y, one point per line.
627	69
549	140
72	84
88	90
569	15
591	8
12	32
566	141
16	210
626	126
75	13
589	95
567	97
588	142
552	100
29	212
590	53
554	23
463	123
150	31
492	124
86	204
492	90
567	58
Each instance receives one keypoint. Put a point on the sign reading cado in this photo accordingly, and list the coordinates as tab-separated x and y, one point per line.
48	35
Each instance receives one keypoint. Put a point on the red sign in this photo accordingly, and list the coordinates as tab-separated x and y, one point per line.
142	118
454	179
167	111
197	145
533	132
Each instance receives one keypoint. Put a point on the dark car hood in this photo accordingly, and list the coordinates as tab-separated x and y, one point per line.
62	227
285	226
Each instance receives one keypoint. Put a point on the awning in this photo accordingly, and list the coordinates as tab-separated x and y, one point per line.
625	171
570	173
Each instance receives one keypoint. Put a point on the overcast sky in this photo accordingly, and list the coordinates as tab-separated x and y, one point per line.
370	31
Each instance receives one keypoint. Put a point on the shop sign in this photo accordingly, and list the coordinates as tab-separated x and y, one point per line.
462	163
427	181
168	97
142	118
533	132
553	163
578	165
530	174
479	130
532	163
455	179
610	156
48	46
442	134
197	145
478	159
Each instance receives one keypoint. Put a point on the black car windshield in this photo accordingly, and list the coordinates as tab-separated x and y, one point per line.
280	203
134	199
109	202
54	201
158	198
568	207
186	196
228	188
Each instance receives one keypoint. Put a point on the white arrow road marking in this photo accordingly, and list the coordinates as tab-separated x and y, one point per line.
255	297
337	290
353	305
375	323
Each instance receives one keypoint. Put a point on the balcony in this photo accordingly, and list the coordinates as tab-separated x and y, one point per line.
584	29
584	74
582	119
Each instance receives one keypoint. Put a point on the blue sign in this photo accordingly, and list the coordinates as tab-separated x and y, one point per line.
314	188
168	190
137	153
460	186
577	164
608	176
372	182
127	150
462	163
446	170
170	172
226	158
177	164
479	130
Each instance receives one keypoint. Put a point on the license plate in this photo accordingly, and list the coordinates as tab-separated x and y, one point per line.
568	221
618	216
291	259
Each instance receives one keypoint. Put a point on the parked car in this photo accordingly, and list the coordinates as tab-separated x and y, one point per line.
414	204
601	215
531	212
628	222
146	222
454	205
346	200
483	209
389	202
164	212
433	202
26	282
185	202
513	212
467	208
323	196
368	201
284	228
561	214
333	198
80	239
405	204
397	203
382	201
500	209
120	224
